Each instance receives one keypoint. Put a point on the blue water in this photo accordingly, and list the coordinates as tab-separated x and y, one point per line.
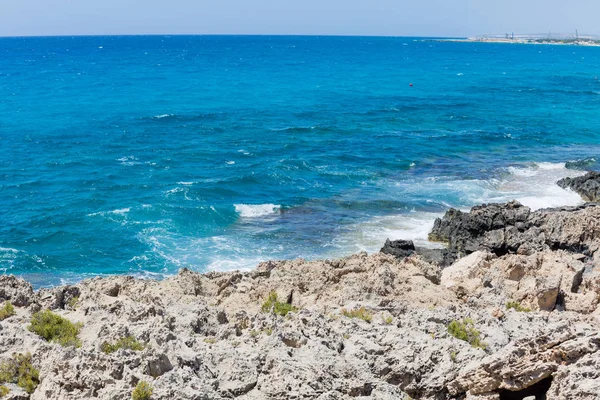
142	155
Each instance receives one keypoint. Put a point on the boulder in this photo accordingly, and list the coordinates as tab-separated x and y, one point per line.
587	186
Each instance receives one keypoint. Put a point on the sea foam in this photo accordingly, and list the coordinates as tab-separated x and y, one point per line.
256	210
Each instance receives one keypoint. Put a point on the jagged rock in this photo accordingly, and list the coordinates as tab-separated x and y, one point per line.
405	248
587	186
398	248
16	290
365	326
512	228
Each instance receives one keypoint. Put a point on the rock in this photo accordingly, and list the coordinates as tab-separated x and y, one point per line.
587	186
398	248
405	248
467	272
16	290
512	228
365	326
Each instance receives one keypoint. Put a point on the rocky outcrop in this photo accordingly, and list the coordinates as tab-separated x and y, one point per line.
404	248
512	228
587	186
516	316
209	335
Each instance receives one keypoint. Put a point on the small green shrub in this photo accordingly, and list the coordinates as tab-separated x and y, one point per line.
515	305
465	330
388	320
273	304
128	343
210	340
360	313
142	391
453	356
7	311
55	328
20	371
73	302
3	391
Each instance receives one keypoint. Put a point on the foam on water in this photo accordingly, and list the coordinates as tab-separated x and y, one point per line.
256	210
533	185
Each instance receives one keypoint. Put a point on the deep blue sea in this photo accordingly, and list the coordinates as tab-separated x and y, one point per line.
142	155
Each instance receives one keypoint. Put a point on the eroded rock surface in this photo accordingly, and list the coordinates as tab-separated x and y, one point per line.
366	326
512	228
587	186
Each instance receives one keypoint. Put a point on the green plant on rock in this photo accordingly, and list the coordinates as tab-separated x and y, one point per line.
453	356
19	370
273	304
388	320
515	305
3	391
465	330
360	313
127	343
142	391
55	328
73	302
7	311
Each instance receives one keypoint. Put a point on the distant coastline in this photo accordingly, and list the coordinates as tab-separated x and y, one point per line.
566	41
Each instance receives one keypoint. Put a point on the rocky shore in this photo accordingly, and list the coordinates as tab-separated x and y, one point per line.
510	310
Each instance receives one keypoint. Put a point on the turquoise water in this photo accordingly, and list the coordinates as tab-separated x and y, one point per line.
142	155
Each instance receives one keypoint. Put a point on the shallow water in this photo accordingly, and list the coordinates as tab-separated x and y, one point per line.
141	155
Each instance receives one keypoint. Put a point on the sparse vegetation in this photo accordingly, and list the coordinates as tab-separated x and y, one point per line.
254	333
273	304
55	328
7	311
361	313
453	356
128	343
388	320
210	340
465	330
73	302
19	370
142	391
268	331
515	305
3	391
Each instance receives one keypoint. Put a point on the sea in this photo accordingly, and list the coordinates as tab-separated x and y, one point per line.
142	155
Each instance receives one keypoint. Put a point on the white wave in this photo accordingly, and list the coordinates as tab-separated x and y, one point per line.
370	236
223	264
185	183
162	116
256	210
129	160
230	162
535	186
119	211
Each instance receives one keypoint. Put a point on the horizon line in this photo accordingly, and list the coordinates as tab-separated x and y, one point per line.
229	34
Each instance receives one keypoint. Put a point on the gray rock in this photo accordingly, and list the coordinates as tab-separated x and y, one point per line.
587	186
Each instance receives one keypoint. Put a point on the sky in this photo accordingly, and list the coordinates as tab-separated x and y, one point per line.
312	17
